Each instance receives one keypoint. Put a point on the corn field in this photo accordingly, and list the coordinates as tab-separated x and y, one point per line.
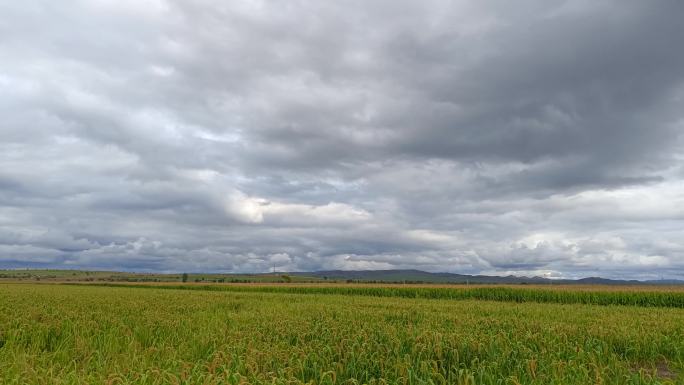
656	298
66	334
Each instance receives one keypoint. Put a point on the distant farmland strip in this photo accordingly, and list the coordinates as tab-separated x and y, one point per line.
504	294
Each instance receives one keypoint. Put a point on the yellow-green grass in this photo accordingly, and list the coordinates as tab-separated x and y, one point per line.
59	334
625	297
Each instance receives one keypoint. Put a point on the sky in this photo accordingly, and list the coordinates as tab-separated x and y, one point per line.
480	137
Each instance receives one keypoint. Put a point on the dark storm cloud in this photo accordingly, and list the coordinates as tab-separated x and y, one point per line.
536	137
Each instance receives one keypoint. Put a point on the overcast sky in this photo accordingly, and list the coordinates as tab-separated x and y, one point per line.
495	137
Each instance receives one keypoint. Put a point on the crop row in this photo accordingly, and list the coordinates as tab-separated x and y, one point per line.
504	294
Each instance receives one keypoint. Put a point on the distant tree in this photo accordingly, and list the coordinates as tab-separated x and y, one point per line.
184	277
286	278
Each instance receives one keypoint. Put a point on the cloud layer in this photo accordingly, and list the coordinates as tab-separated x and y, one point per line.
541	137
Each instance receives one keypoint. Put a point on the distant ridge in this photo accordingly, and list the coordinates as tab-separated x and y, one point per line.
368	276
419	276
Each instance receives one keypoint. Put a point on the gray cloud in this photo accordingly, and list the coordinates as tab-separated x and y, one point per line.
527	138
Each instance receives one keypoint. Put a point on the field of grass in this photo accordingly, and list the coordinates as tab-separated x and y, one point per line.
71	334
597	295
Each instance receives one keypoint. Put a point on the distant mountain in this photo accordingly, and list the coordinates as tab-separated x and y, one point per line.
418	276
603	281
380	276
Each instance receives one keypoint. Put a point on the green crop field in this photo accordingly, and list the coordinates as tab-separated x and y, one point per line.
68	334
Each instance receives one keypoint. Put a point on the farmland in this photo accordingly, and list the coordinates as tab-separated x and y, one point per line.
117	276
344	334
